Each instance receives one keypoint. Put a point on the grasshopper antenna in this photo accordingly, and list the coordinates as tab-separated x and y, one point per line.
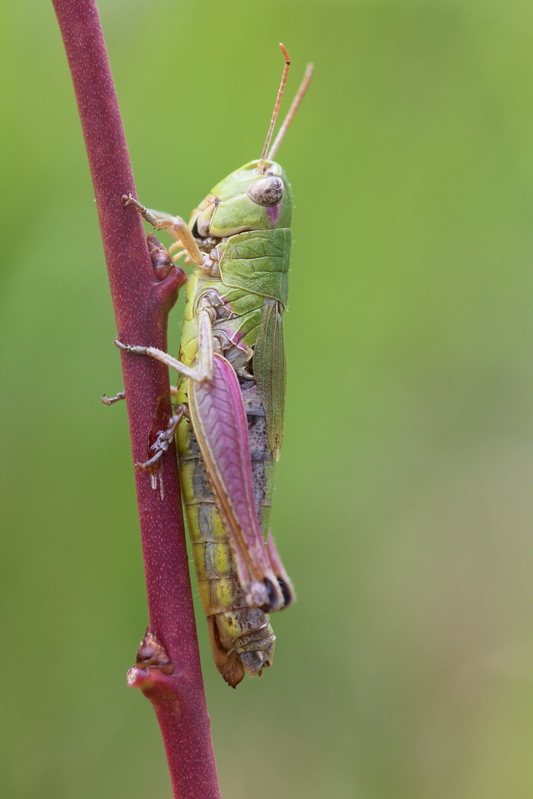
261	164
304	85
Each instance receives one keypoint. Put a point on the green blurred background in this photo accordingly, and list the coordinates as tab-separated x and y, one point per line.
404	506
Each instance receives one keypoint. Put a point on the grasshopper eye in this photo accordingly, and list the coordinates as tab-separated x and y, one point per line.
266	191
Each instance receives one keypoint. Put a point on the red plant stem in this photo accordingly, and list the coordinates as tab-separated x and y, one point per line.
141	304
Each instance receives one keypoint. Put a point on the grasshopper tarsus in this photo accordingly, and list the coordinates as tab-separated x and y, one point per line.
133	348
146	466
129	199
175	225
111	400
163	440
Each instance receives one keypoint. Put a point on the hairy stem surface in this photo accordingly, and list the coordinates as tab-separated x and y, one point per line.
168	665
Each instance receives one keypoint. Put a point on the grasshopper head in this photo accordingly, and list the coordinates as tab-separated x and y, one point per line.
248	199
258	195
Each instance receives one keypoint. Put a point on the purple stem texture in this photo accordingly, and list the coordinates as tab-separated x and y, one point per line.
168	664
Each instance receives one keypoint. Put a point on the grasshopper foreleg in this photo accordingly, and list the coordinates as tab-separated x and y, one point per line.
176	226
203	371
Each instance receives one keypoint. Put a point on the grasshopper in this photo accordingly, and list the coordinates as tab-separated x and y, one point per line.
230	396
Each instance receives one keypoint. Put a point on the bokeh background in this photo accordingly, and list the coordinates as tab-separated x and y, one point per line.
404	506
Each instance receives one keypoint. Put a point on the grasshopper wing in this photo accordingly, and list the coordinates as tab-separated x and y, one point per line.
269	370
220	426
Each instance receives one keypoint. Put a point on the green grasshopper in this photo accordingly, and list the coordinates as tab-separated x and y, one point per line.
230	397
